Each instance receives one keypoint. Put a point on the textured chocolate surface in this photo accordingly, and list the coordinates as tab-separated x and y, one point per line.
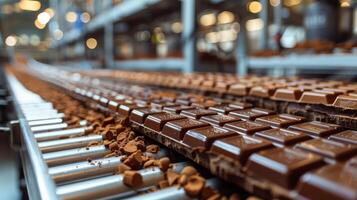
347	137
281	120
218	120
245	127
176	129
316	128
282	166
197	113
282	136
139	114
157	121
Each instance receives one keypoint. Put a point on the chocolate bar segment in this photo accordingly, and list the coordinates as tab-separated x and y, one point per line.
126	108
240	105
289	94
251	113
219	120
337	182
282	136
157	121
282	166
316	128
139	114
197	113
281	120
204	137
245	127
328	149
239	147
224	109
321	97
178	109
347	137
113	105
176	129
344	101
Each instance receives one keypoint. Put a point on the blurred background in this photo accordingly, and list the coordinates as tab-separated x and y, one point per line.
275	37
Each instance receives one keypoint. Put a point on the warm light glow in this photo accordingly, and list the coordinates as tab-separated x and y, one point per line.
235	27
85	17
254	24
91	43
290	3
7	9
43	18
10	41
58	34
176	27
34	40
71	17
275	2
345	3
50	11
225	17
29	5
227	35
39	25
208	19
212	37
255	7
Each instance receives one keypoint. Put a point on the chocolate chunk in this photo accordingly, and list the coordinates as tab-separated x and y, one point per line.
178	109
348	102
164	163
347	137
318	97
329	149
281	120
203	137
260	91
134	161
194	185
189	171
239	147
282	166
122	168
107	121
130	147
330	182
316	128
163	184
289	94
251	113
245	127
125	108
157	121
172	177
132	178
176	129
197	113
282	136
218	120
113	146
152	148
224	109
139	114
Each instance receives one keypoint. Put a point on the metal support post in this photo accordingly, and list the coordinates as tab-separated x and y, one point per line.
188	11
264	16
108	45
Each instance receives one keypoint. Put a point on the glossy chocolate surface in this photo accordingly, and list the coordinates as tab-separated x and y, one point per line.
204	137
176	129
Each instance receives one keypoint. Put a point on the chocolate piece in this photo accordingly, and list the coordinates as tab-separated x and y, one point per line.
289	94
240	105
245	127
157	121
96	97
126	108
178	109
205	104
251	113
161	104
318	97
189	171
260	91
316	128
203	137
224	109
194	186
197	113
327	148
282	136
347	137
239	89
113	105
176	129
218	120
164	163
330	182
282	166
343	101
132	178
103	101
139	114
281	120
239	147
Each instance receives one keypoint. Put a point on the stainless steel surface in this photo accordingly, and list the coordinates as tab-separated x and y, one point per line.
45	122
70	143
87	169
40	183
110	185
84	169
54	135
50	127
39	117
74	155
